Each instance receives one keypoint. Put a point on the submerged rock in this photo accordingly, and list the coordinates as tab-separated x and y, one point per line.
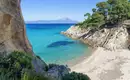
60	43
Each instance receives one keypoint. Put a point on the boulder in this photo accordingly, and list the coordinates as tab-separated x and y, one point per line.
39	65
57	72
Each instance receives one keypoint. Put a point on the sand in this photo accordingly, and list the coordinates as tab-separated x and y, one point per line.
106	65
79	59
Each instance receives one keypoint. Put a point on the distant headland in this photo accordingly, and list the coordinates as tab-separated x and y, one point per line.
58	21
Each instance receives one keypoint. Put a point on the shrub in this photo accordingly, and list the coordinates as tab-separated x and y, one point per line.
21	58
52	65
18	66
109	12
76	76
32	75
38	57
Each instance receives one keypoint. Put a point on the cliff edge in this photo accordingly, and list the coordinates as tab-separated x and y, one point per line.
12	28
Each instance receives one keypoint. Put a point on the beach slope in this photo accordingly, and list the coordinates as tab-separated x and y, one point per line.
106	65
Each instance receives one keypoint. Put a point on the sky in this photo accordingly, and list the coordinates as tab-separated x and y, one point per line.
56	9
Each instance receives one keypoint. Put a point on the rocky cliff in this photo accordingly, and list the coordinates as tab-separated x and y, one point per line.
108	38
12	28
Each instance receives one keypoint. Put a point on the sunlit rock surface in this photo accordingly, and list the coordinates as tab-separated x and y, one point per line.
12	28
110	39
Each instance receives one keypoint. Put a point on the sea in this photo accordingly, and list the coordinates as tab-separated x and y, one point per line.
53	47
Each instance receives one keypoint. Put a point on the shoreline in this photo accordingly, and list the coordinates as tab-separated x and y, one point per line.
86	55
105	65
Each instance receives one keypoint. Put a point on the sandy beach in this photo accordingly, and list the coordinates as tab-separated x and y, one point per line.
106	65
79	59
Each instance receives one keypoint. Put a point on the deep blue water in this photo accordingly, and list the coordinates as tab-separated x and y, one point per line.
51	46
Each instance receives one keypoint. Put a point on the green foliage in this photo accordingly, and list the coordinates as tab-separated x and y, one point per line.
32	75
7	76
20	59
49	66
38	57
102	5
94	10
94	21
107	12
76	76
12	65
52	65
18	66
128	15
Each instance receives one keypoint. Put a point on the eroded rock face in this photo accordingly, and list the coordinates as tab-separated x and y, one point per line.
12	28
111	39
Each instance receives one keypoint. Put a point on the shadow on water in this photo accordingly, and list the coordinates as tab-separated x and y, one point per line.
60	43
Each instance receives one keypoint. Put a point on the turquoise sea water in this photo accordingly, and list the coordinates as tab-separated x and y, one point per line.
51	46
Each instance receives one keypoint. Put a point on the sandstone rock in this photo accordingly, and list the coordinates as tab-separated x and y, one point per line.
12	28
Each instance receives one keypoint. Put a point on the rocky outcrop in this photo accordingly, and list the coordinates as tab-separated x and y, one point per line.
12	28
57	72
39	65
108	38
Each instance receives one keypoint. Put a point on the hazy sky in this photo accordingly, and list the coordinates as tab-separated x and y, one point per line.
56	9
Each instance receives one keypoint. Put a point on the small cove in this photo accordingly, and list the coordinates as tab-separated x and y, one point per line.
51	46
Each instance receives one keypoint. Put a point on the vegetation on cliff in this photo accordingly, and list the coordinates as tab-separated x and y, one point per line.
107	13
19	66
75	76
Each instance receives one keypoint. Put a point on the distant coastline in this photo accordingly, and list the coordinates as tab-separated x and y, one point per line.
59	21
52	23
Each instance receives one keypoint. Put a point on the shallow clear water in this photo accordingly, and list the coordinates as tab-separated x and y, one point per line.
51	46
